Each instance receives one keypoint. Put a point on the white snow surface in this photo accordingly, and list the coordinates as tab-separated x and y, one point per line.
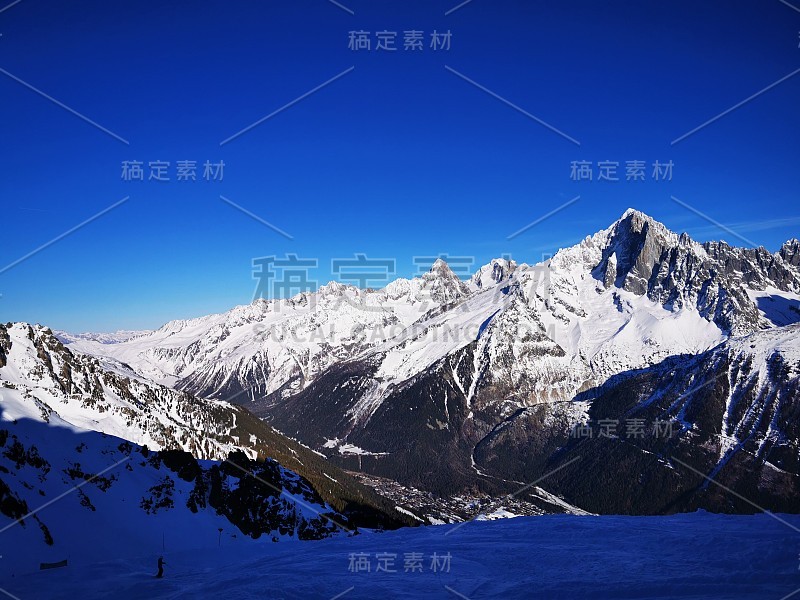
691	556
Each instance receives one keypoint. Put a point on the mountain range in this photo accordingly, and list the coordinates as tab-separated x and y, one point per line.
637	372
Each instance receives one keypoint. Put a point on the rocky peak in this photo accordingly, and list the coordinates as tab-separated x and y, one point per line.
635	244
498	269
636	217
442	284
441	269
790	252
333	288
642	256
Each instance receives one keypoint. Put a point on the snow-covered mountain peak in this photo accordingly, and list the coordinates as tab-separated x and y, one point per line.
497	270
637	223
336	289
637	215
631	211
441	269
739	290
635	236
442	285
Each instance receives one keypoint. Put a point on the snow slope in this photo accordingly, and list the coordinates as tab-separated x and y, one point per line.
692	556
85	497
80	475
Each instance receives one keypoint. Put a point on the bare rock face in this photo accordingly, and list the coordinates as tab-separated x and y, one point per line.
637	243
790	252
643	257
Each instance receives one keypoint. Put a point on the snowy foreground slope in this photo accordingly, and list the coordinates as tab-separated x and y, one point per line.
79	482
698	556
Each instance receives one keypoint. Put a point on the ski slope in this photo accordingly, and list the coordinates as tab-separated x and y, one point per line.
697	555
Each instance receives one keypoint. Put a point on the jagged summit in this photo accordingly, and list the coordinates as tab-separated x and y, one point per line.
636	221
790	252
441	268
497	270
335	288
630	250
642	256
442	284
632	212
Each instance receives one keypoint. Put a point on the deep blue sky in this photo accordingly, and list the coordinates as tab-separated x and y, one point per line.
398	158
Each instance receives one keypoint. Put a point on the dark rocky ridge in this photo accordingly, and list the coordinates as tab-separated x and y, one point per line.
645	258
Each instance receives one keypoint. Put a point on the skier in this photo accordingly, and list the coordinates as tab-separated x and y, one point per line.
161	564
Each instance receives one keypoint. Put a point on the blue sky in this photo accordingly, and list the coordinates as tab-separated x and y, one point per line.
399	157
